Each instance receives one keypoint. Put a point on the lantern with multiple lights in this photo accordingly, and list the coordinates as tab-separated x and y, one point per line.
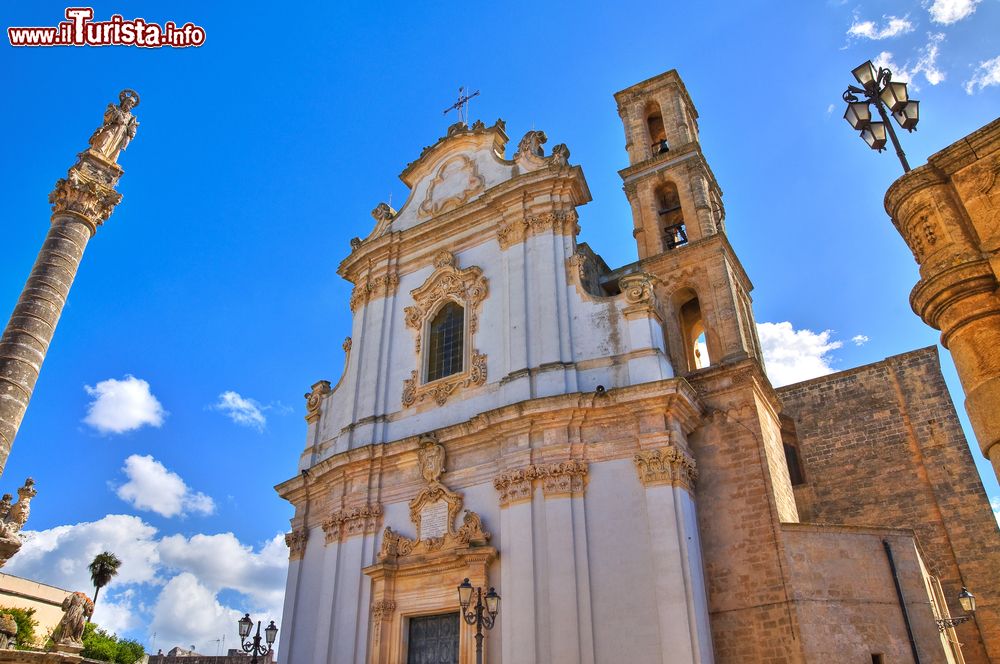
878	88
482	615
253	646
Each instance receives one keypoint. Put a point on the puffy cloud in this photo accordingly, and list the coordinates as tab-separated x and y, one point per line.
182	576
947	12
926	64
860	339
152	487
188	613
122	405
995	504
986	74
243	411
59	556
222	561
792	355
893	27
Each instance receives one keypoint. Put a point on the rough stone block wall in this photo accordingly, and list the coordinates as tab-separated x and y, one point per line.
881	446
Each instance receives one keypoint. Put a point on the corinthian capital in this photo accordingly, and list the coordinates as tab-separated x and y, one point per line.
82	196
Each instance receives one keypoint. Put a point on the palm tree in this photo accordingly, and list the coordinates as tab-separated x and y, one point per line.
102	570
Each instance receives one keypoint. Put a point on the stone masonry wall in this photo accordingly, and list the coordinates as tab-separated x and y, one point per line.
881	446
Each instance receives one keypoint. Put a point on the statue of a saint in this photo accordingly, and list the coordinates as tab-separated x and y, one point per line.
77	608
119	127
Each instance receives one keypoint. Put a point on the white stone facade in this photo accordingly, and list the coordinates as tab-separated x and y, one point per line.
610	551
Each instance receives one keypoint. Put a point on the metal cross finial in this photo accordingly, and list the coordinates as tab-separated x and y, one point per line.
462	105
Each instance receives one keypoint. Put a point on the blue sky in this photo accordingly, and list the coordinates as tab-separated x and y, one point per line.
209	302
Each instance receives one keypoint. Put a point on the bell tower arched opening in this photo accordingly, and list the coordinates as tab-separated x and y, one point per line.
694	335
670	216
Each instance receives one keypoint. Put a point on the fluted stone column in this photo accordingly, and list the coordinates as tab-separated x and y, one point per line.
948	211
81	202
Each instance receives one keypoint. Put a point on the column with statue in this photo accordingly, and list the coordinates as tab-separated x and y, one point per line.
81	202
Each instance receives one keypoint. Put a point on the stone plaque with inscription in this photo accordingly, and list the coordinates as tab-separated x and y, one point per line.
434	519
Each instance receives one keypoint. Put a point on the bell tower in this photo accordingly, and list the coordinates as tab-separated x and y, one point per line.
679	228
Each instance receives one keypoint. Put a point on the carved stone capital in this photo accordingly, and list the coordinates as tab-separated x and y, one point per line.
296	543
382	610
374	288
638	288
666	466
565	479
314	399
349	523
560	222
84	197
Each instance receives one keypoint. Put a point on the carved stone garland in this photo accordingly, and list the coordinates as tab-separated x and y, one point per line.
561	222
467	287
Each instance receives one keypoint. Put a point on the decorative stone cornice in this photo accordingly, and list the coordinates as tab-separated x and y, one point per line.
666	466
296	543
374	288
560	222
314	399
349	523
565	479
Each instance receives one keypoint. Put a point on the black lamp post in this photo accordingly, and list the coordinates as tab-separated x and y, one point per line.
480	615
253	646
968	603
877	87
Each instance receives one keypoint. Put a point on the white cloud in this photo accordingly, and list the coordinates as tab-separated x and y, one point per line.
829	110
947	12
926	64
122	405
860	339
995	504
792	355
242	410
182	575
153	488
188	613
893	27
986	74
59	556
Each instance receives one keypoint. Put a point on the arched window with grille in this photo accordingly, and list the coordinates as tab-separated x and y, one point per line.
446	342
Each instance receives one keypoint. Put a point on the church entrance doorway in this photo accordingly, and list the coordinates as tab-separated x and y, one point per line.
433	639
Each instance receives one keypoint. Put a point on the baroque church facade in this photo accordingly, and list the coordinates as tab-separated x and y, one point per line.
603	445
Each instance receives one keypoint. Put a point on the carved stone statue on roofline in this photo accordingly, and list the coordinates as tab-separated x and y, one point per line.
119	127
12	519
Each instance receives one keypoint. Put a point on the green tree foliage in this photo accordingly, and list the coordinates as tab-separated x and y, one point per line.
103	568
98	644
26	624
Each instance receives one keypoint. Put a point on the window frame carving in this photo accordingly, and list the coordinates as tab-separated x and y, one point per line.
467	288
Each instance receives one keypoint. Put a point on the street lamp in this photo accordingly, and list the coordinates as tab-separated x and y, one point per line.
480	615
253	646
877	87
968	603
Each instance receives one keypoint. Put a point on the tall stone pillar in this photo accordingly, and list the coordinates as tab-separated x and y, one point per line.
81	202
948	211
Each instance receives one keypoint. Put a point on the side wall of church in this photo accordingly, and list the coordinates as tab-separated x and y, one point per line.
881	445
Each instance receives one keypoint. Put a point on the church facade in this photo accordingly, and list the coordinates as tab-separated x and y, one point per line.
603	445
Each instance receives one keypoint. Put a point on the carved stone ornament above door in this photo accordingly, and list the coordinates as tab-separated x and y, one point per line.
418	575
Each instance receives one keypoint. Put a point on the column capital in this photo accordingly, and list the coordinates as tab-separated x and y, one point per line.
87	191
